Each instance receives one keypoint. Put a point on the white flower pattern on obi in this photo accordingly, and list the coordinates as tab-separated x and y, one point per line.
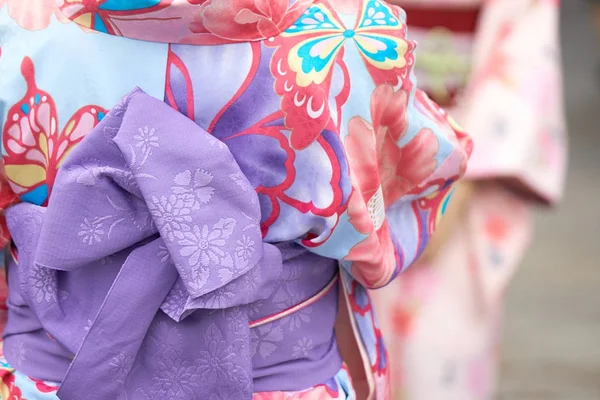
146	141
171	216
236	320
296	319
91	231
302	347
251	279
43	284
245	248
194	190
209	244
204	246
18	352
164	336
196	283
216	362
176	377
120	365
266	339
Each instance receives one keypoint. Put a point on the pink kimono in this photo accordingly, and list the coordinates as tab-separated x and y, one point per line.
497	64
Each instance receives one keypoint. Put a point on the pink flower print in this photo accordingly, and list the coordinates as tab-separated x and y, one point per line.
245	20
382	171
33	15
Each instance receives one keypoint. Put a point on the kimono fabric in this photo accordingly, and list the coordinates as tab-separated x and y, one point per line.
214	234
496	64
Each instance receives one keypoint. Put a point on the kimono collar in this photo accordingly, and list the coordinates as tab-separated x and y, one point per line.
199	22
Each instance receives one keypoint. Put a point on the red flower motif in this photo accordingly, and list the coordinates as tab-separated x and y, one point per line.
245	20
44	387
381	173
376	159
33	15
496	227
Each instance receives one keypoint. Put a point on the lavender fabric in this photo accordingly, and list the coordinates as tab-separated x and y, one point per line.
153	218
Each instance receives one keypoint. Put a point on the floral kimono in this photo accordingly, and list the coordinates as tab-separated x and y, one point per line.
496	64
196	185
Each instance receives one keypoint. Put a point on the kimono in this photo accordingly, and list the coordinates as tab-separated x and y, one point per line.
201	193
495	64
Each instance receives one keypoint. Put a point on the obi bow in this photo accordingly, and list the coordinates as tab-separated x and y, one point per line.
145	259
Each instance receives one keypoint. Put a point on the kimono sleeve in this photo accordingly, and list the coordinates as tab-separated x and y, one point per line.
402	166
514	103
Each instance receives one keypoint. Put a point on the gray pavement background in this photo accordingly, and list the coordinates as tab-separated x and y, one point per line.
551	335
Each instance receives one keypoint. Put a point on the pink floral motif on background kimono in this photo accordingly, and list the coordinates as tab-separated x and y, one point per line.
441	319
33	14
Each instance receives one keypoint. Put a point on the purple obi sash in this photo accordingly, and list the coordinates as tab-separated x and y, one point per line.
148	213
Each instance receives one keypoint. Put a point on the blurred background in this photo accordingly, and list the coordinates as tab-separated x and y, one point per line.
552	328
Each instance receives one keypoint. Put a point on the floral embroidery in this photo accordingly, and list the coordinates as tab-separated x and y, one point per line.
171	216
245	248
194	190
146	141
43	284
302	347
216	362
120	366
91	231
296	319
204	247
176	377
18	352
265	339
251	279
237	321
216	299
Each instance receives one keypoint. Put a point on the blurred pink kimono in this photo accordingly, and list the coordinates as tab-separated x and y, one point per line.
500	74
